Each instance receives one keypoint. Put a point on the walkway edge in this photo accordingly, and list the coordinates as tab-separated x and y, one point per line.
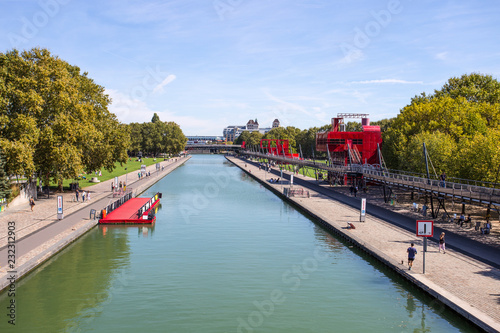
459	306
33	263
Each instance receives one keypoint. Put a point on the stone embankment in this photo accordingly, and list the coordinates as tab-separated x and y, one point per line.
467	285
39	234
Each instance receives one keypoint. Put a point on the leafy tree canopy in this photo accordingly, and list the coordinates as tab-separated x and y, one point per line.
457	123
54	120
156	137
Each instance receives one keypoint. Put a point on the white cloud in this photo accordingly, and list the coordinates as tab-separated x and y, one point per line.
387	81
167	80
441	56
129	110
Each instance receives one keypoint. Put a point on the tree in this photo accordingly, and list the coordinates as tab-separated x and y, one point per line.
456	123
250	138
174	140
353	126
384	124
306	140
4	182
54	119
136	138
284	133
474	87
155	118
156	137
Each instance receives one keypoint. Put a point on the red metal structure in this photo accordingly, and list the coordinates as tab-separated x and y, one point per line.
277	147
350	147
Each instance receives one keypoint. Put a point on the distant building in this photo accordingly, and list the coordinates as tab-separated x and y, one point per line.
252	125
203	139
231	133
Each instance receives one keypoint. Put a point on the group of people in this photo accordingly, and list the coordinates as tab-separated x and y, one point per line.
84	194
147	174
412	251
354	190
122	186
462	220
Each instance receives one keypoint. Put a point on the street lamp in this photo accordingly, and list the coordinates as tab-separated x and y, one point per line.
126	174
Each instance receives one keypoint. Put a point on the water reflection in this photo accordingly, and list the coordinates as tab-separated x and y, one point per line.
74	284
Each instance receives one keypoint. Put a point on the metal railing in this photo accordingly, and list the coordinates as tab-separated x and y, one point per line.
466	189
111	207
146	206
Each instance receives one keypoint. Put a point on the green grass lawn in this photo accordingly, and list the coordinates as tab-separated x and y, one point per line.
310	172
131	165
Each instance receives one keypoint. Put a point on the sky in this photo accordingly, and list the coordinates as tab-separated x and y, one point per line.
208	64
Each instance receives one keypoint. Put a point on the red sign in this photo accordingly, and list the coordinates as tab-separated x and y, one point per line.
425	228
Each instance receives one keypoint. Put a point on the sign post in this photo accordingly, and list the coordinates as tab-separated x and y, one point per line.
363	210
60	214
425	229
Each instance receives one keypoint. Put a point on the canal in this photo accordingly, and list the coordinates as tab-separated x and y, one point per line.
225	255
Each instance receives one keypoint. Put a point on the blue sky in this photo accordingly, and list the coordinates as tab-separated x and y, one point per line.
207	64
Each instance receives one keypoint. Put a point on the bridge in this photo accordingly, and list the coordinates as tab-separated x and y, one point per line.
210	148
467	192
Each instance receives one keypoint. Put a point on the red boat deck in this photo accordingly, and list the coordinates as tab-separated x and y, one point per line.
127	213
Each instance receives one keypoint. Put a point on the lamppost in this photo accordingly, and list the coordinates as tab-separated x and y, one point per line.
126	174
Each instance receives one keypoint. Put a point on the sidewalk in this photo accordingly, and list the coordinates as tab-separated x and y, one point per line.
39	234
468	285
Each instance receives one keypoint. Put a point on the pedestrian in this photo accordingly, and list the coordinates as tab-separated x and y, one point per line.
355	190
83	196
32	203
461	220
88	196
120	185
112	187
411	255
443	179
124	187
139	175
77	193
442	243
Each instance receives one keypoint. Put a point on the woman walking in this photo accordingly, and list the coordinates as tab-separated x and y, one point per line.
32	203
442	243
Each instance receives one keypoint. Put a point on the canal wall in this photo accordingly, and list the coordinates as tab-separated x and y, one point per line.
76	226
459	288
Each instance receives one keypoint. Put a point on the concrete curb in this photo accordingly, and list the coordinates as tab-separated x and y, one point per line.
45	255
459	306
34	262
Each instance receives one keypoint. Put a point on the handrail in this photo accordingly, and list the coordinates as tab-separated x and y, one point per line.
111	207
481	193
146	206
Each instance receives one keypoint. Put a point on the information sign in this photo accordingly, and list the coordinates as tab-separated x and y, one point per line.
363	210
425	228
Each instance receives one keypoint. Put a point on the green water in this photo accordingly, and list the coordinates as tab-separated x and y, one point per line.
225	255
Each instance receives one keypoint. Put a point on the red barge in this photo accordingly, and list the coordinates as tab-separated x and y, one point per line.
128	210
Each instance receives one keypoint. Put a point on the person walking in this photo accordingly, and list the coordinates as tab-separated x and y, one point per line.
412	251
77	193
443	179
32	203
442	243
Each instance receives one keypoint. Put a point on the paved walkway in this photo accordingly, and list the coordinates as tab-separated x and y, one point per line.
468	284
39	234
